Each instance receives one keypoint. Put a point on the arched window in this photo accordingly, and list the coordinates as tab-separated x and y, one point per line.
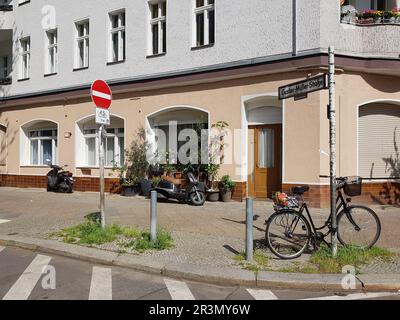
39	143
88	143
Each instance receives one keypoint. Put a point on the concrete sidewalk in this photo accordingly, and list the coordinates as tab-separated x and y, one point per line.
205	238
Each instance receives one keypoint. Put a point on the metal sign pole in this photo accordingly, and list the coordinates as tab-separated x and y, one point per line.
332	145
101	167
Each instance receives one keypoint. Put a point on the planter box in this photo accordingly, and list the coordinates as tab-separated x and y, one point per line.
145	186
129	191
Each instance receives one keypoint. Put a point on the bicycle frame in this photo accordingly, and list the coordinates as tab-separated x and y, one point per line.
341	203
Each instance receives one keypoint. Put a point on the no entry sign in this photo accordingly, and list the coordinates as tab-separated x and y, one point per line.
101	94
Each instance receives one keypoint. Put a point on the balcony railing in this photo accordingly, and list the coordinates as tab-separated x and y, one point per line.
6	7
5	81
369	17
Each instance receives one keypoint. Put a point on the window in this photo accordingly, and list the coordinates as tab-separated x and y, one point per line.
158	27
117	37
82	45
43	146
51	52
204	13
4	67
113	146
25	50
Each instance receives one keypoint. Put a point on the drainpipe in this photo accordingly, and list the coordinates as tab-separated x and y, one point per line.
294	29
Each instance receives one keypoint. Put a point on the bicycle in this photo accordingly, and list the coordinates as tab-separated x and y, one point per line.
289	232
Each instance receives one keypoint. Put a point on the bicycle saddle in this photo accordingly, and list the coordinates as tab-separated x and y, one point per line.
300	190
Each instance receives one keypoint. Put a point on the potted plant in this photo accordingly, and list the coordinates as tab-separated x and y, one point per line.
130	187
226	186
137	164
212	192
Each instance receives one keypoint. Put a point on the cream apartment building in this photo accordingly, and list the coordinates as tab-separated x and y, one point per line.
194	61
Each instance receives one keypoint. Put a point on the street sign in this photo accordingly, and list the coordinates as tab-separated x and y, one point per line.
103	116
101	94
300	89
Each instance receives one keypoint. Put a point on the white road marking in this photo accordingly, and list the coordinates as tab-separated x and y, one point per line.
178	290
2	248
4	221
101	95
101	285
262	294
355	296
23	287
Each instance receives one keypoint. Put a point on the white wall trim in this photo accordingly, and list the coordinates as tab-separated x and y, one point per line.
23	138
78	138
388	101
245	124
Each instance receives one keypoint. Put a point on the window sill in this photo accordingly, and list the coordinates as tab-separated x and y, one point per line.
34	166
79	69
203	46
50	74
22	3
93	167
24	79
150	56
111	63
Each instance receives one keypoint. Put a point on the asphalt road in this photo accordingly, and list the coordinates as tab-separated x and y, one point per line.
31	275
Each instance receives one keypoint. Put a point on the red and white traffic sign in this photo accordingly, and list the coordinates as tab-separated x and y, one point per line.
101	94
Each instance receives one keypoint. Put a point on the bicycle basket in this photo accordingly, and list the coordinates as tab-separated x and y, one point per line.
283	201
352	187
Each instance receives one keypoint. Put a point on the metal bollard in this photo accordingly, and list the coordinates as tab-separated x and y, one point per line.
153	216
249	229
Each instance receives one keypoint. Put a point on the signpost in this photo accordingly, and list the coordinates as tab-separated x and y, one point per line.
101	97
299	90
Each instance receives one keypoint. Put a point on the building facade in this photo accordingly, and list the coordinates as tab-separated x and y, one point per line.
201	61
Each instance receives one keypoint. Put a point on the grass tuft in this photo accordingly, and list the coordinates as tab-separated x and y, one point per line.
91	233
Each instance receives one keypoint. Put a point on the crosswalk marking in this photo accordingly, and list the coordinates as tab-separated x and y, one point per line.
28	280
101	285
1	248
178	290
355	296
262	294
4	221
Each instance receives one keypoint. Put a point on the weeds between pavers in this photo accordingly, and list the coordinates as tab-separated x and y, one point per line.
126	238
321	260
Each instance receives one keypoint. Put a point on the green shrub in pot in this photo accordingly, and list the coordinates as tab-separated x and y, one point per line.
226	186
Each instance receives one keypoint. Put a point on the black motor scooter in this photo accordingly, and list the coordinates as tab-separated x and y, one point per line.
193	194
59	180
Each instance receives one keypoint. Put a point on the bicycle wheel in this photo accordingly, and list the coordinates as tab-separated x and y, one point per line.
359	227
287	234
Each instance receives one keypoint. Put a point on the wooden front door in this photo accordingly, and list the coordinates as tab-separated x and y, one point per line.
265	160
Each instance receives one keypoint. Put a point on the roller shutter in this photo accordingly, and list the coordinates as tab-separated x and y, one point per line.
379	140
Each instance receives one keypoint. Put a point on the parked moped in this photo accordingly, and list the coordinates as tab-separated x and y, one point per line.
193	193
59	180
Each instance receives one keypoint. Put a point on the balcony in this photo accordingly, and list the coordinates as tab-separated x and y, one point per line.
369	17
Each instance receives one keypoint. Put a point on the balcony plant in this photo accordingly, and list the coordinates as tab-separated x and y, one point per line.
226	186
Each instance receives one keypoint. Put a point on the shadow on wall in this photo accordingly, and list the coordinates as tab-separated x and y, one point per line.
382	83
390	191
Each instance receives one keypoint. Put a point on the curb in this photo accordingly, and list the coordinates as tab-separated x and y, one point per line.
214	275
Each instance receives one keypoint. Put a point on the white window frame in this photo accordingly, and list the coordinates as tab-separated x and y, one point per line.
121	31
25	65
205	9
51	50
116	135
86	44
161	22
40	139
